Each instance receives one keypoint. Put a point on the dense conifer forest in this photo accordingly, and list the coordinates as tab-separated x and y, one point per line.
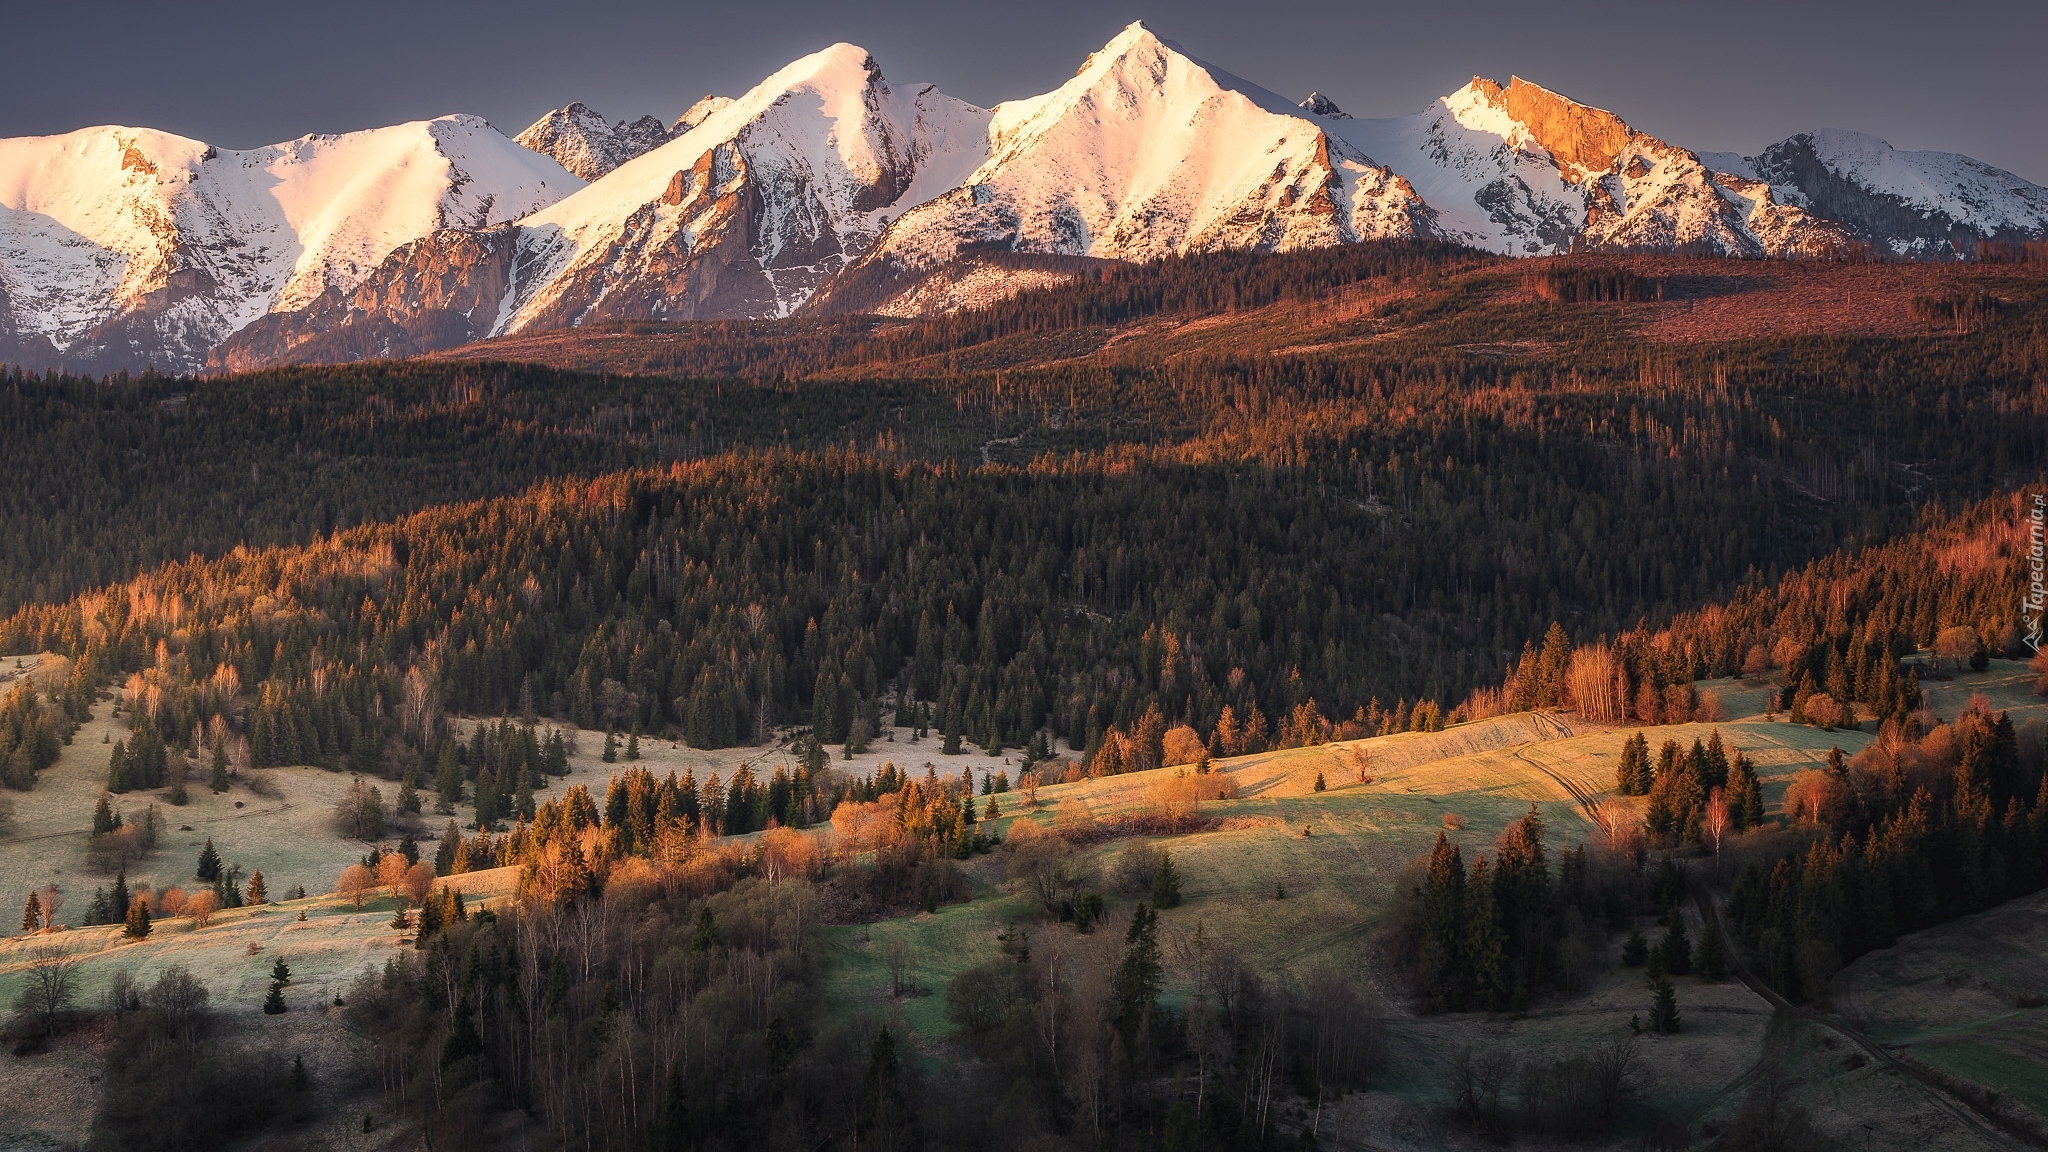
1202	507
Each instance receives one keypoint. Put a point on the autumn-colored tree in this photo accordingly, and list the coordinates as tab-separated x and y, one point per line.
355	882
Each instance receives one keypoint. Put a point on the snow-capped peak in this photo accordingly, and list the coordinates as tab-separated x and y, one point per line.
790	181
1148	151
177	244
1913	203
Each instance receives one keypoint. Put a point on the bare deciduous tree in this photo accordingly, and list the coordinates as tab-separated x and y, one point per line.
898	952
50	986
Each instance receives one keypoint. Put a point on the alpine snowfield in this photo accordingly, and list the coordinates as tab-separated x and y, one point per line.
827	188
158	235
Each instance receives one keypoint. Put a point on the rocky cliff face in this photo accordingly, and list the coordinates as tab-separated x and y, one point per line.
579	139
439	291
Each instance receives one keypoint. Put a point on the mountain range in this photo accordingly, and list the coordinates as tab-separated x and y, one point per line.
828	188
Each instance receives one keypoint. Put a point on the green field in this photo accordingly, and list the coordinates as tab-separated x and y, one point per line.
1950	998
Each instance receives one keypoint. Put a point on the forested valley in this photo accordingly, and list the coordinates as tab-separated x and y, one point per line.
1130	523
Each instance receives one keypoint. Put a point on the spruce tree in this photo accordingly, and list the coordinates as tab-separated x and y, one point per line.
1320	785
633	742
1675	949
1635	951
258	894
281	972
137	924
1485	945
705	937
1663	1005
444	856
96	911
103	818
408	794
32	914
1444	933
611	747
430	917
448	778
118	900
219	782
1165	882
1134	989
209	862
1712	961
273	1004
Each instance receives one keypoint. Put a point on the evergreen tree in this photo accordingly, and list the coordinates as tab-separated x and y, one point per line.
633	742
1663	1005
408	794
103	818
137	924
1444	931
273	1004
1675	949
990	812
96	911
1134	989
32	914
448	777
280	972
1712	961
444	856
611	747
117	767
705	936
1635	951
1165	881
118	900
1320	786
1632	775
882	1118
258	894
219	782
430	916
209	862
300	1080
1485	945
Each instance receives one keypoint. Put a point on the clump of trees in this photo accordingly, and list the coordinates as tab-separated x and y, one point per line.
173	1081
1930	821
1495	934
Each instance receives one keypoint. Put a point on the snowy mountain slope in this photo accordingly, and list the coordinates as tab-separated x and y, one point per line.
1914	203
746	214
771	194
583	142
1522	170
147	247
827	188
1148	152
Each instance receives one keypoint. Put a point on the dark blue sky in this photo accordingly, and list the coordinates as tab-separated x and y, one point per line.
1958	76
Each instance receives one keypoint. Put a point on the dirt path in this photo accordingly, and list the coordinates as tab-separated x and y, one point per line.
1587	805
1996	1128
